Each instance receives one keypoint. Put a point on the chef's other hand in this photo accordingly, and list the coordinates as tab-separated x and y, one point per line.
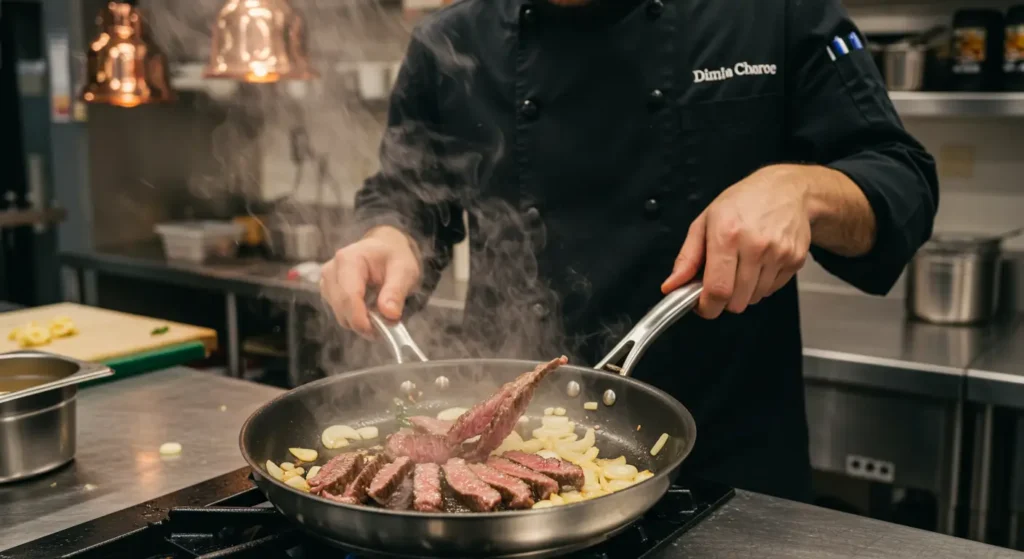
752	240
383	258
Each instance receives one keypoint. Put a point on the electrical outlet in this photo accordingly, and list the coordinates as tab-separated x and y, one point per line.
870	468
956	162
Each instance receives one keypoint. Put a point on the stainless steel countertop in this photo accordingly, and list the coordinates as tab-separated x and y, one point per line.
753	526
997	376
121	425
850	339
251	277
869	341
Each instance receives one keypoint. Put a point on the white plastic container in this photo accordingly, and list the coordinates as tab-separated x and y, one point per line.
196	241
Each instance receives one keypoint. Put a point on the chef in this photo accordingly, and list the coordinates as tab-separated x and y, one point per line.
609	151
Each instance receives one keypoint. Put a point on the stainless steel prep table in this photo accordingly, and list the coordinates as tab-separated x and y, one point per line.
996	380
121	426
245	277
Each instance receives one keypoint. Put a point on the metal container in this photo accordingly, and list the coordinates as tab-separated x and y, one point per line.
296	243
904	65
37	411
954	279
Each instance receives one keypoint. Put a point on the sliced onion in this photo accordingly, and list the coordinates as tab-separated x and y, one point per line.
572	497
312	472
298	483
581	445
274	470
591	453
609	462
618	484
451	414
543	505
304	454
617	471
553	421
337	436
367	433
548	454
660	444
532	446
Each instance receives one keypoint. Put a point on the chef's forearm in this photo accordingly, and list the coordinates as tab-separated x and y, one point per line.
841	217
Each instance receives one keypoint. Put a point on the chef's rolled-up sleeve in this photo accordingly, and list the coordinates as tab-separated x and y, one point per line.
841	117
414	190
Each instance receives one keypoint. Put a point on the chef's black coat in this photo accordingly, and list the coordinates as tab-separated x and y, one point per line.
582	142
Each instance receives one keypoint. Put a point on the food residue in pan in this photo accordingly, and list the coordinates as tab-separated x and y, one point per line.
464	460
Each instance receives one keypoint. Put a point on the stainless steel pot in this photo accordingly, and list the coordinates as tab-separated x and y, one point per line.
904	65
954	279
299	242
37	411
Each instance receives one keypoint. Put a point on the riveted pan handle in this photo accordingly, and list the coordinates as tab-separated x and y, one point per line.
657	320
397	337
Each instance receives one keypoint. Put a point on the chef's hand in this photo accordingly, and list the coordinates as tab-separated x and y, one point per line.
383	258
752	240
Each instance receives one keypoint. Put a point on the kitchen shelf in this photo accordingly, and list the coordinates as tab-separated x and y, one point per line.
958	104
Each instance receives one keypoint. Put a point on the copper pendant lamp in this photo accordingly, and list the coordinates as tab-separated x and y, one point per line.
124	68
259	41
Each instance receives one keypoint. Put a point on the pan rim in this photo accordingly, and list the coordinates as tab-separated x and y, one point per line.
476	516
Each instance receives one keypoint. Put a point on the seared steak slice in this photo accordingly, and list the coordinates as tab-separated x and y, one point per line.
339	471
430	426
387	480
479	418
355	492
401	499
426	488
420	447
514	491
565	473
471	490
542	485
511	408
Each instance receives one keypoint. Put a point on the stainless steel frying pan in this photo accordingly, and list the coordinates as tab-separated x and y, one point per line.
631	415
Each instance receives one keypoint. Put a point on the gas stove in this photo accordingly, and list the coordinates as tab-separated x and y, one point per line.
228	517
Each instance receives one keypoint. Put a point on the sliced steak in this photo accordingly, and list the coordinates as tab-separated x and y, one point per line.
565	473
514	491
511	408
401	499
387	480
430	426
542	485
469	488
426	488
355	492
338	471
480	417
420	447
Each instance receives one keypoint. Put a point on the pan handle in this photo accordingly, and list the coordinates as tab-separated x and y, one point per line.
664	314
397	337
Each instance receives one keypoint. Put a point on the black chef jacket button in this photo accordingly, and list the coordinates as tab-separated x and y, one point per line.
527	16
651	207
654	9
529	109
533	214
540	310
656	99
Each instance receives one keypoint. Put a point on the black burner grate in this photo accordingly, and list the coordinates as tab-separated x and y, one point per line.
245	526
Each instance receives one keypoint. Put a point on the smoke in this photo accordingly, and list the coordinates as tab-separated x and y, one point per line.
517	312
